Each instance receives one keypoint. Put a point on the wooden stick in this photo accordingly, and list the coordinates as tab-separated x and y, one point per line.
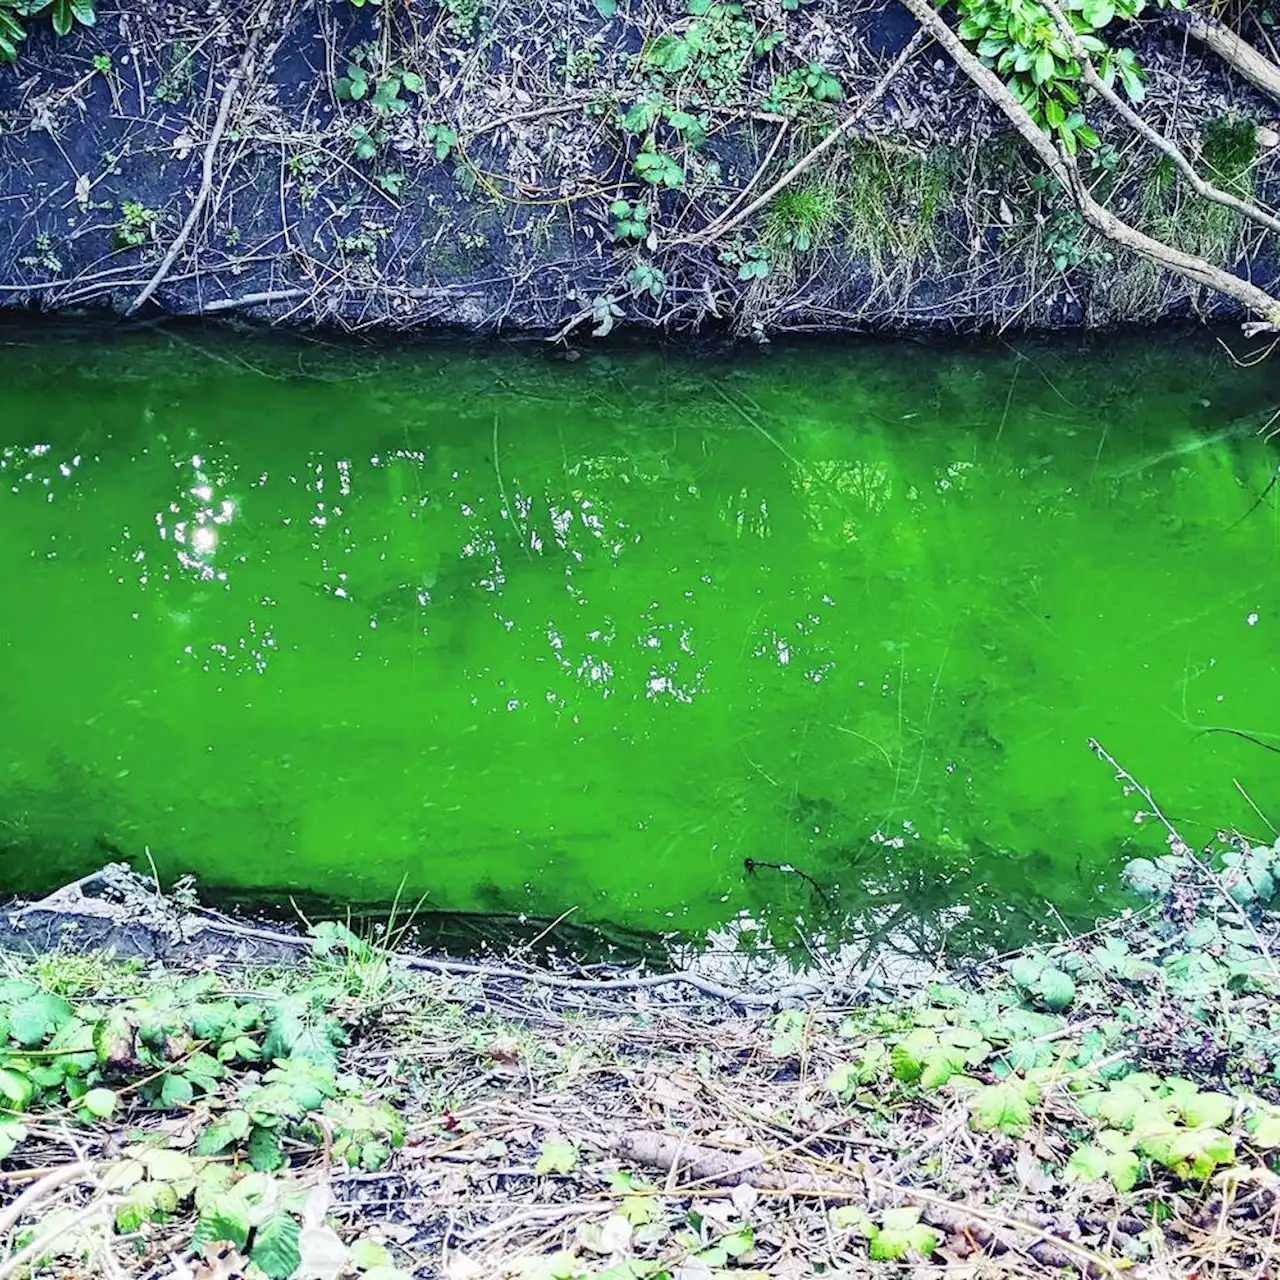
206	181
719	228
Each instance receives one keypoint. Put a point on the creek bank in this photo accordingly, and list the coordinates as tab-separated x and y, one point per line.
200	159
1102	1106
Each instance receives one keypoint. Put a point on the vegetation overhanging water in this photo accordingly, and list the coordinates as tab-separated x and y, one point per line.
683	643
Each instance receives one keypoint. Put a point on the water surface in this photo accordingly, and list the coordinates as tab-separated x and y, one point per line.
530	636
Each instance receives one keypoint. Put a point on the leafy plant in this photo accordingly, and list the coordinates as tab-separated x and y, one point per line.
644	278
64	15
630	220
753	262
367	141
1042	981
440	138
899	1233
801	87
382	88
1023	42
137	226
658	169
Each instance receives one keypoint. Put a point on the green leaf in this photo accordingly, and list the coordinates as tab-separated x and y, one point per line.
176	1091
15	1089
214	1140
1005	1106
11	1133
1189	1153
900	1234
1098	13
1055	989
607	8
1088	1164
264	1150
84	12
225	1222
275	1247
556	1157
367	1254
910	1055
99	1102
1025	970
788	1033
1209	1110
33	1020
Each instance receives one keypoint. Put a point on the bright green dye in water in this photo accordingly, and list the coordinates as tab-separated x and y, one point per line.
528	636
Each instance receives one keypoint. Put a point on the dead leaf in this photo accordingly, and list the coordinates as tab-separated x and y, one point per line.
1031	1172
324	1256
84	188
460	1267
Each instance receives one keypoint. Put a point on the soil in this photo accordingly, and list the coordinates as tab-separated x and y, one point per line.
477	195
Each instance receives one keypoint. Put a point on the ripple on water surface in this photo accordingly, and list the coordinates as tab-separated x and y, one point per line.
529	636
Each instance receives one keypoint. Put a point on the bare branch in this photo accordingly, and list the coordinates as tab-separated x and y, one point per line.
1065	172
1089	73
1239	54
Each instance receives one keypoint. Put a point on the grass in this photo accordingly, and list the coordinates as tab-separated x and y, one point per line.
800	218
1170	212
892	201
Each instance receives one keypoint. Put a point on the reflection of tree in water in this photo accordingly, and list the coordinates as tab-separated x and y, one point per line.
912	908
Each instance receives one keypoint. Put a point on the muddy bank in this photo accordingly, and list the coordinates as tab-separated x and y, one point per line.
552	169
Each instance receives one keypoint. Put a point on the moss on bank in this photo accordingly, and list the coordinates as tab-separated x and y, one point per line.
1108	1104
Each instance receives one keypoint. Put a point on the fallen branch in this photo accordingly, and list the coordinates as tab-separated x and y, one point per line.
666	1152
1067	175
720	227
1236	52
1089	73
234	82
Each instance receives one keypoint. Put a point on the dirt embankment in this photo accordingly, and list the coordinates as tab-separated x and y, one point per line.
570	166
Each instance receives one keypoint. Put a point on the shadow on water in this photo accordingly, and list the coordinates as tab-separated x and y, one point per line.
799	650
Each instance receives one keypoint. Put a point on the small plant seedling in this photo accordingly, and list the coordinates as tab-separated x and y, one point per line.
644	278
630	220
659	169
137	226
440	138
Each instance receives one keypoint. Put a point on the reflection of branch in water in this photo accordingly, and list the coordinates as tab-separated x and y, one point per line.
1239	733
1262	497
751	866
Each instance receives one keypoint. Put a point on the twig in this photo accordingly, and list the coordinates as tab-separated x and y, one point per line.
719	227
206	180
39	1191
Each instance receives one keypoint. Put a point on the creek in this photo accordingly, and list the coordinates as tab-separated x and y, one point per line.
688	642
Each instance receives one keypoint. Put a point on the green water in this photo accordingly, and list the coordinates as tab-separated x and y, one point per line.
529	636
